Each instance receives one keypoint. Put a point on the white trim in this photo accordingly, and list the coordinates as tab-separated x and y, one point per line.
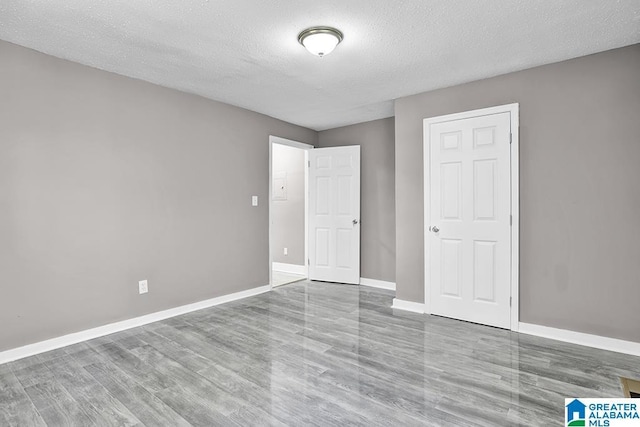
74	338
289	268
302	146
414	307
290	143
589	340
381	284
306	213
513	110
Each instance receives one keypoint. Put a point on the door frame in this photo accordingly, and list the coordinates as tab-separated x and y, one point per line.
513	110
306	147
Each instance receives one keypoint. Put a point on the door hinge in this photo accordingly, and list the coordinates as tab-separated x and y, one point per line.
308	261
510	138
308	163
510	219
510	301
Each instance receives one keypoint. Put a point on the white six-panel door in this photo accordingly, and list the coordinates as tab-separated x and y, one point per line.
469	234
334	214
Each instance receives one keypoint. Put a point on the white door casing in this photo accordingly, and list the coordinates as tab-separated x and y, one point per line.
470	195
334	214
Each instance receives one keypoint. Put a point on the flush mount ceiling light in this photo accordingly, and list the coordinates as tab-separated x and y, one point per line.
320	40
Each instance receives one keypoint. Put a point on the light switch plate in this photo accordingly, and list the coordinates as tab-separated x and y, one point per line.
143	287
254	200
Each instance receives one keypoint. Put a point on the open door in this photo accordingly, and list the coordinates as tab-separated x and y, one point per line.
334	214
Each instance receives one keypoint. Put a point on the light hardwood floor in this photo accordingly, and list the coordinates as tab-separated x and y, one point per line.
279	278
308	354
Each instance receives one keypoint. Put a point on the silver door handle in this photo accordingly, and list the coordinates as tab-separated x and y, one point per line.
435	229
355	221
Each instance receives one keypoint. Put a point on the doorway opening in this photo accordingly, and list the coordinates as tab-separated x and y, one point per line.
288	207
314	229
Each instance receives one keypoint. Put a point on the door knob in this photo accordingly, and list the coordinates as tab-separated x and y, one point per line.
435	229
355	221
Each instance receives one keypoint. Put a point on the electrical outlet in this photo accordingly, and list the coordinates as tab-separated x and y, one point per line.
143	287
286	251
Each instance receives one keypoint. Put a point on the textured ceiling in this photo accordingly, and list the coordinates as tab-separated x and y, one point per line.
245	52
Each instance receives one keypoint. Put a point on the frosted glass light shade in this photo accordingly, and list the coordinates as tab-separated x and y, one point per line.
320	41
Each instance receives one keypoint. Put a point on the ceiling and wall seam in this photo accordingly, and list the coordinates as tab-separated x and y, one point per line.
246	53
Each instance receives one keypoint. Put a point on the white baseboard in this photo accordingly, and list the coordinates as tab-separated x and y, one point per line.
74	338
596	341
414	307
378	284
289	268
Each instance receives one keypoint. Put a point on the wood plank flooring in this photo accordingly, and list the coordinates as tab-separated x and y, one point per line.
279	278
308	353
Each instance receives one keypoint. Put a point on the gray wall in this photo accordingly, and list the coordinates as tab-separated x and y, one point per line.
378	234
106	180
579	194
287	216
